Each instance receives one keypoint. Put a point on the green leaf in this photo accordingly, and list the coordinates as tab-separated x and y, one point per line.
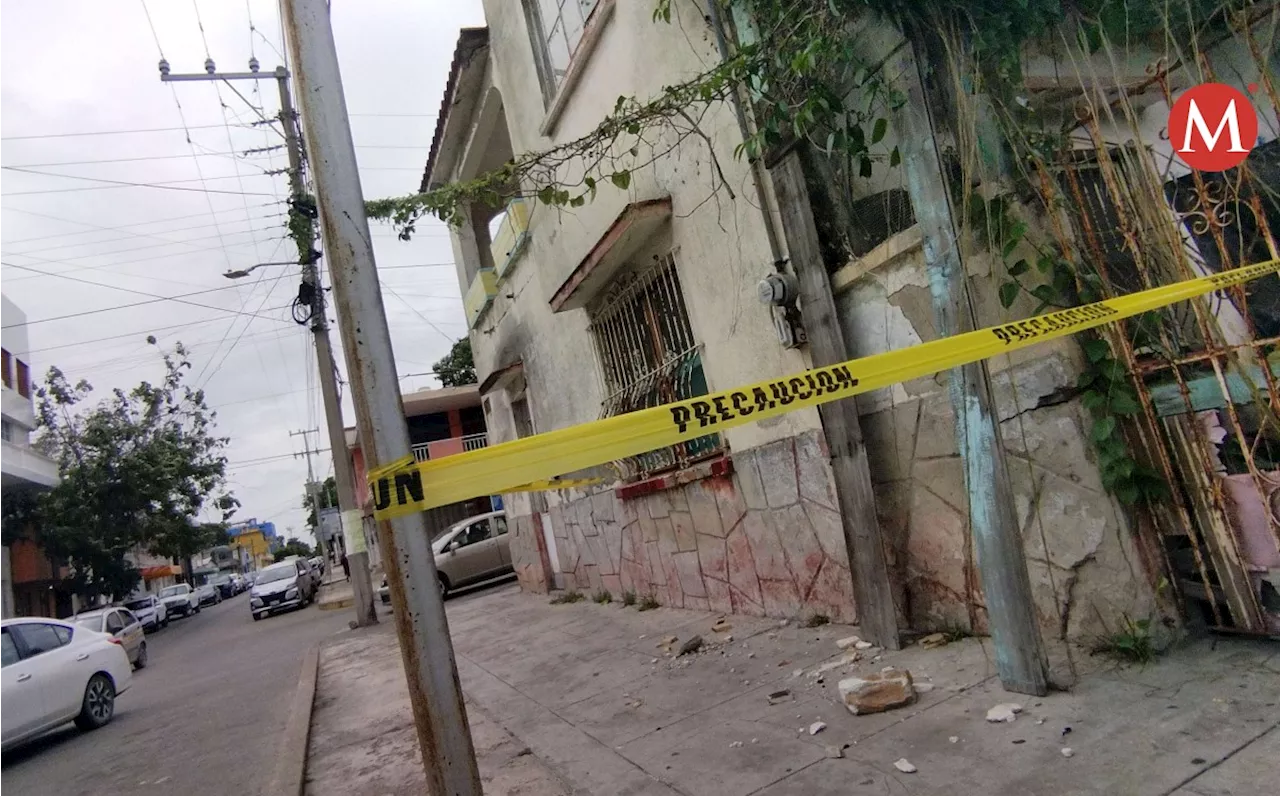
1093	400
578	201
1019	268
1045	263
1045	293
878	130
895	157
547	194
1124	403
622	179
1097	350
864	168
1103	428
1128	493
1086	379
1008	294
1008	247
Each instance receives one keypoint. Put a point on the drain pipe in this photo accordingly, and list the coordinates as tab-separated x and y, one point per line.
759	177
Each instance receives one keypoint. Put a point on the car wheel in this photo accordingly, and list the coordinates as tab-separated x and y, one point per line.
444	588
141	662
257	617
99	703
197	609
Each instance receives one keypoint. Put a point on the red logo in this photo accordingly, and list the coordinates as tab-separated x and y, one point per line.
1212	127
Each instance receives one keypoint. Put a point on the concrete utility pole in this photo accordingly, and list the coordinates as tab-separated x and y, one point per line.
348	500
355	545
313	488
444	735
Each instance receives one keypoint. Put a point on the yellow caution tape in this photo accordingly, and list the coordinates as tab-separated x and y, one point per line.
525	464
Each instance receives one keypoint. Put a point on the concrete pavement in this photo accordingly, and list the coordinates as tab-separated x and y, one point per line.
605	710
204	717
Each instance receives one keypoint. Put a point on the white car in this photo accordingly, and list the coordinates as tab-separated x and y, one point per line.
54	672
180	600
150	611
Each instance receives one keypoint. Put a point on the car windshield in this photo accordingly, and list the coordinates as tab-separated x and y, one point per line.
93	622
173	591
138	605
271	575
220	579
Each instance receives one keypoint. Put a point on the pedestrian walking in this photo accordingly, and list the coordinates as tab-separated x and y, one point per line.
346	568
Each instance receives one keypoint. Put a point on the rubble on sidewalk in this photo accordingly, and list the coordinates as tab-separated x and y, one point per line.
1004	712
904	765
876	693
933	640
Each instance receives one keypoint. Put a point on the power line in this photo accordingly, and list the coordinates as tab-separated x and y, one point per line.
414	310
167	186
110	132
151	331
121	227
155	299
166	241
125	160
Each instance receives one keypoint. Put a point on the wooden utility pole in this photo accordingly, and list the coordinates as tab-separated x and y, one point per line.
997	541
877	614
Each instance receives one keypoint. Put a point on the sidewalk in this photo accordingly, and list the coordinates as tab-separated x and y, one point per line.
604	710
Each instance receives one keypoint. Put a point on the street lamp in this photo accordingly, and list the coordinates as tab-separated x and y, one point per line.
241	274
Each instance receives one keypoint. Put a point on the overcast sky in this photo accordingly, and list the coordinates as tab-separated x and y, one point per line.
73	70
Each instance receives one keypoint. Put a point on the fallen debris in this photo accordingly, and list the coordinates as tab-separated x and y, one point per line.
833	752
933	640
781	695
817	727
721	625
954	739
877	692
667	643
691	646
1067	751
843	660
904	765
847	642
923	688
1005	711
863	645
736	745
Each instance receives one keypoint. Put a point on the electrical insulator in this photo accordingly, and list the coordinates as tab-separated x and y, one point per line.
209	67
253	64
164	68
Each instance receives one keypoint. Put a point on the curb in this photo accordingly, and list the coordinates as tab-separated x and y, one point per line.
334	605
289	774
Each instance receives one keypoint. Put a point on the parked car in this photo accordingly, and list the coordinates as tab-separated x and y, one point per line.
55	672
473	550
151	611
123	626
224	584
279	587
317	565
208	594
238	583
180	600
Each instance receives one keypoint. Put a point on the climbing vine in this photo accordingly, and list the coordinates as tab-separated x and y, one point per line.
801	69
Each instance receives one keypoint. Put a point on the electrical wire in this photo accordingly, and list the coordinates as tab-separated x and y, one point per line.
414	310
172	185
118	228
122	160
109	132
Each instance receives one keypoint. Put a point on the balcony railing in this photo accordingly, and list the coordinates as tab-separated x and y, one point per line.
447	447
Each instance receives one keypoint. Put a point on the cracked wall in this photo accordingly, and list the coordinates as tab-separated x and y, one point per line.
766	540
1085	570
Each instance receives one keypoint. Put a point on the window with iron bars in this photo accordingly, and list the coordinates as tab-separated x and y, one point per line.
648	357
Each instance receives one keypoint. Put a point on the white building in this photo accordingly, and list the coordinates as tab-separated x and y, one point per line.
25	565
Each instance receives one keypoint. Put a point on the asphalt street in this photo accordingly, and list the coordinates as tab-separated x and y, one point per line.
204	717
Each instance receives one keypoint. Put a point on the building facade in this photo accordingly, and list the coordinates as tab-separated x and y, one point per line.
442	422
31	580
643	295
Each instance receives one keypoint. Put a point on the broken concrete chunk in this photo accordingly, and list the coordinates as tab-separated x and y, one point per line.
721	625
1005	711
833	752
954	739
736	745
817	727
923	688
1067	751
691	646
877	692
904	765
847	642
933	640
863	645
781	695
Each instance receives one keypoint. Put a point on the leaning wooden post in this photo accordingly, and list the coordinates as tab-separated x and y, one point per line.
1020	656
877	615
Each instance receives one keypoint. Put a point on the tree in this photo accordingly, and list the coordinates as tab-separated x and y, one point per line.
136	469
294	547
328	500
457	368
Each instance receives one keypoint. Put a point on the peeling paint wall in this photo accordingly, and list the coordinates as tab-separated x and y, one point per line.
1084	565
765	541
